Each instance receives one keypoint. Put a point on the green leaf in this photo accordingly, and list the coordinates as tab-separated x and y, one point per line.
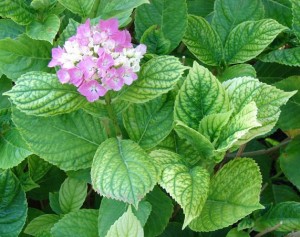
13	205
234	193
26	182
155	41
296	17
72	141
158	220
200	143
21	55
13	149
122	170
54	202
170	16
41	224
227	15
148	124
10	29
249	39
280	10
44	30
72	194
42	4
290	113
289	162
41	94
69	31
5	85
203	41
200	7
268	100
289	57
157	77
126	225
17	10
287	214
200	95
81	223
111	210
236	233
38	168
238	126
188	186
211	125
80	7
239	70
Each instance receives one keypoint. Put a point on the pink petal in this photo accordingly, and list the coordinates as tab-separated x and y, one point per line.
88	67
63	76
110	26
92	90
56	54
76	76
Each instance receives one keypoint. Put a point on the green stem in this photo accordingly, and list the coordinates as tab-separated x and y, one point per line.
112	115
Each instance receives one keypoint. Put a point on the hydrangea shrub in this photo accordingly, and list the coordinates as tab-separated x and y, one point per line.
149	118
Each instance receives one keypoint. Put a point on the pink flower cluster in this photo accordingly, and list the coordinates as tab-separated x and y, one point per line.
98	59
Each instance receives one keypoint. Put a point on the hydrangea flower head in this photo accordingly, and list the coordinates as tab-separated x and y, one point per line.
98	59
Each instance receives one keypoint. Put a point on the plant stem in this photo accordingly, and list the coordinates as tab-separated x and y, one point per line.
268	230
261	152
113	116
241	150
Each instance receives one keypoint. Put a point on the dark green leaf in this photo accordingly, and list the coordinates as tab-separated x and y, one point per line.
10	29
280	10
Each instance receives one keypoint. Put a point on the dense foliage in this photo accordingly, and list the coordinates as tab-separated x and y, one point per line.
149	118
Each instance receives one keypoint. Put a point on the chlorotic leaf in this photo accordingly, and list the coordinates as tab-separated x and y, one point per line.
289	162
268	100
148	124
45	30
200	143
81	223
296	17
203	41
72	194
68	141
289	57
122	170
227	15
239	70
158	220
41	94
280	10
41	224
13	149
238	126
249	39
188	186
286	215
157	77
234	193
80	7
10	29
126	225
17	10
170	16
23	54
200	95
13	205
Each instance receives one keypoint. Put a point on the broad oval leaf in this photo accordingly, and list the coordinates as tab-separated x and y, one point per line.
170	16
41	224
296	17
188	186
268	100
148	124
249	39
234	193
41	94
227	15
203	41
13	149
72	194
158	76
126	225
81	223
68	141
13	205
286	215
289	57
200	95
122	170
80	7
239	70
44	30
17	10
280	10
23	54
10	29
